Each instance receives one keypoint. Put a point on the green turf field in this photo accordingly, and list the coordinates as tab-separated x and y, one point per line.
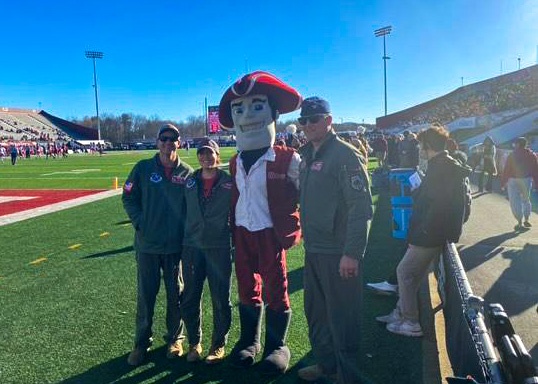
67	292
80	171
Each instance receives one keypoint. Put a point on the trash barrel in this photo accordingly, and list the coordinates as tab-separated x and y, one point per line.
401	200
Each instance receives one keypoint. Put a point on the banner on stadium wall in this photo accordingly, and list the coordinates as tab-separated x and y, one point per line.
462	123
213	125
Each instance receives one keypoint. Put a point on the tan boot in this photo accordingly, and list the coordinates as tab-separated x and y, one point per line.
216	355
174	350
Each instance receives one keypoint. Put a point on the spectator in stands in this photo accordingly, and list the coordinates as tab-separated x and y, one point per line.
488	165
520	174
439	209
206	252
408	150
154	199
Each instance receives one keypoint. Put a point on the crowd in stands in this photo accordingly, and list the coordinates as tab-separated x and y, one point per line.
517	90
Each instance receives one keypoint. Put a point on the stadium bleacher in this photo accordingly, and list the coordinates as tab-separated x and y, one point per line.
32	125
515	91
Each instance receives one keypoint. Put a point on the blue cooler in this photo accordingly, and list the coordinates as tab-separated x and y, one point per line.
400	187
400	220
401	201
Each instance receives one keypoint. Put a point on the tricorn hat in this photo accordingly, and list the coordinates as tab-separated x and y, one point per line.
282	97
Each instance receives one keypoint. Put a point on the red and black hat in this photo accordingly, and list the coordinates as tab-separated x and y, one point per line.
283	97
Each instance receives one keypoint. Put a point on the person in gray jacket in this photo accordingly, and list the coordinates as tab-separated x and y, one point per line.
206	252
153	197
336	205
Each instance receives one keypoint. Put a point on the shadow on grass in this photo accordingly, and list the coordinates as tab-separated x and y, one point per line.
111	252
386	358
158	369
295	280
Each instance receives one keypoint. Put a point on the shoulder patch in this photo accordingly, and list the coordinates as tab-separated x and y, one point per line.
128	186
357	181
191	183
155	178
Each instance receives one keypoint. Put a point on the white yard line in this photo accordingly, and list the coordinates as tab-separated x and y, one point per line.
39	211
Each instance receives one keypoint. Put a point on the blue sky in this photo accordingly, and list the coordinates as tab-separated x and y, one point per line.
164	57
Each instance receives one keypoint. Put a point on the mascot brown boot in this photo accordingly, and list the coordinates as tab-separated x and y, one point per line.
244	352
276	354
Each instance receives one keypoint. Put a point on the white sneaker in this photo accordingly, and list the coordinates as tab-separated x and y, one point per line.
405	328
392	317
384	288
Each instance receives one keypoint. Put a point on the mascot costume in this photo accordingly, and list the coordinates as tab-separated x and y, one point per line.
265	218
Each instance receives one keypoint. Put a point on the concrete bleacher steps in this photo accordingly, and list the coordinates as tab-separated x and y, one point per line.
29	121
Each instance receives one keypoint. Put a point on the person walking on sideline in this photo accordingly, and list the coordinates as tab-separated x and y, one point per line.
439	211
153	197
336	206
3	153
14	154
519	175
206	252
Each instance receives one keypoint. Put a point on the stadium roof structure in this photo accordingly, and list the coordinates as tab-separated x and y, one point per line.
18	124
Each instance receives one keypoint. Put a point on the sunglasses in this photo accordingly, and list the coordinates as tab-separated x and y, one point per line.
314	119
164	139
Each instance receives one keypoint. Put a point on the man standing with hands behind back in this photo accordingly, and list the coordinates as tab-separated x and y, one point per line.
153	197
336	205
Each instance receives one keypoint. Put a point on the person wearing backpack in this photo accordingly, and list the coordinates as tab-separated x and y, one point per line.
440	208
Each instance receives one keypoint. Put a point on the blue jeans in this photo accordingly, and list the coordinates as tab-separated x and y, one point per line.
149	281
216	265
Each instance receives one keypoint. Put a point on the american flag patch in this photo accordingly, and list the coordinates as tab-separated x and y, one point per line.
316	166
128	186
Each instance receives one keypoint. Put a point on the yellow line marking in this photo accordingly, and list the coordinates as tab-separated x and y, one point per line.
75	246
443	361
40	260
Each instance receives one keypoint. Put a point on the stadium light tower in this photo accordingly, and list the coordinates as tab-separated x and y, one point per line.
95	55
378	33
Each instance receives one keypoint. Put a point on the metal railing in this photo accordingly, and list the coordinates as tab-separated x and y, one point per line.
514	365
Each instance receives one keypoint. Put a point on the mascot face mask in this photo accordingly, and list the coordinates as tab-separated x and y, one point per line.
252	104
253	121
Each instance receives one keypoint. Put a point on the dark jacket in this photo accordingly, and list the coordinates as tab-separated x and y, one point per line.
439	203
335	199
156	206
207	223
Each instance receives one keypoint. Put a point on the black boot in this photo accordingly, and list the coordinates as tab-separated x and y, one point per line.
276	354
245	351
